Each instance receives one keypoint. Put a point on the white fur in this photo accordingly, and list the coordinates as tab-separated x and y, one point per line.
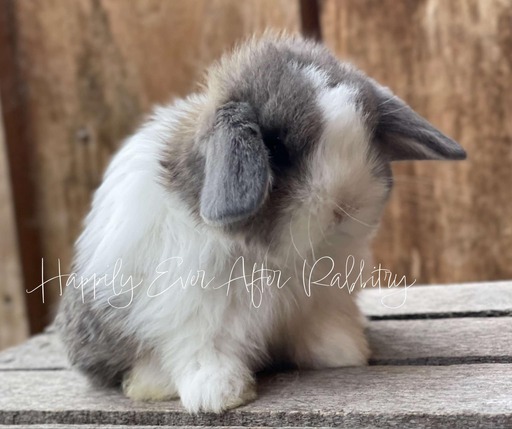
207	342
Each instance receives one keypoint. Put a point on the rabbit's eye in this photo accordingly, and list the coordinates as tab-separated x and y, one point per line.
279	155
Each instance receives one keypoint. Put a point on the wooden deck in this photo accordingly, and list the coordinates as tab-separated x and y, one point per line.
442	359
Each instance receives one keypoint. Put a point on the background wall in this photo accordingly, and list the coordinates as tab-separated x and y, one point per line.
452	61
13	320
76	77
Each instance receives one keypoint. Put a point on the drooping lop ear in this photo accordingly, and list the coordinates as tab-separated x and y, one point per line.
237	172
405	135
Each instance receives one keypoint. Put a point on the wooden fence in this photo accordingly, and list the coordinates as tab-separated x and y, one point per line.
77	76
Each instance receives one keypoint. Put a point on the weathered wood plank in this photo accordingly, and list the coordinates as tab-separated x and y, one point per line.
472	299
94	426
43	351
396	342
441	341
13	323
371	397
452	61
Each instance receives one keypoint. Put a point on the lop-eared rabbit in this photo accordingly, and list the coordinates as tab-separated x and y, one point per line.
221	238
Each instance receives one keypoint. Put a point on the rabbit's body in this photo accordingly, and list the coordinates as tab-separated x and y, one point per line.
273	167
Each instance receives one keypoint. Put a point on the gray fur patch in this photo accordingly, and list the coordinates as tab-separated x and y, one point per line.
266	75
237	167
407	136
95	338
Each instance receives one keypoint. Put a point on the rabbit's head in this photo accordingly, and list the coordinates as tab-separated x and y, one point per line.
294	144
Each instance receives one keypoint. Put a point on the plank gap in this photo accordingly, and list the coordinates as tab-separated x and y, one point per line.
24	369
461	315
310	19
442	361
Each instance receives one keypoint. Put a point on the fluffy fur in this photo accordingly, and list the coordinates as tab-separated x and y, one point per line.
282	158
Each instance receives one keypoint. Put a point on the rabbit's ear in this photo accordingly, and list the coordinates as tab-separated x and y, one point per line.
405	135
237	169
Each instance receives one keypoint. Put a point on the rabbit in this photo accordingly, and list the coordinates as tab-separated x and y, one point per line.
279	163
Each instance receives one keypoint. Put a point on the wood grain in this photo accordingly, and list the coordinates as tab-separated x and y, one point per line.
452	61
438	301
455	396
310	19
439	341
13	321
89	70
426	373
393	342
22	164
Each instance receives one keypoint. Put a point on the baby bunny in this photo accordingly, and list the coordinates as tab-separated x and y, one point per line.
216	241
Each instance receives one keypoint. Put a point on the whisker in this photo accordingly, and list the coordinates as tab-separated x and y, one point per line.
394	111
268	249
345	204
319	225
293	240
388	100
354	218
322	231
287	255
309	237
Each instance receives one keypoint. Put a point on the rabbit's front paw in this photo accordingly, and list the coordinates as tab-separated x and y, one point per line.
216	390
147	382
